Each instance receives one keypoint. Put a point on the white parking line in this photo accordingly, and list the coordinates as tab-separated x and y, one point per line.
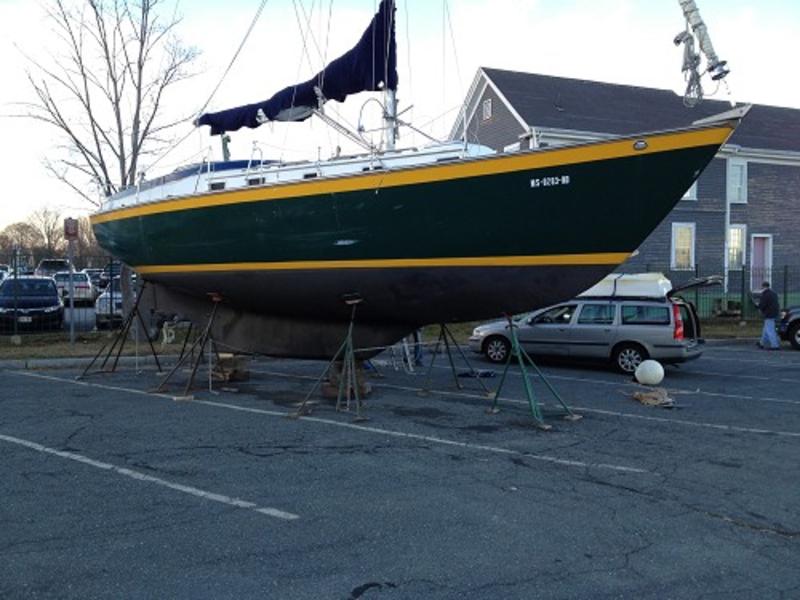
624	415
186	489
375	430
717	426
675	390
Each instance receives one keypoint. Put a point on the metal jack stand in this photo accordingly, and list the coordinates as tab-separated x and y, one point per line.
526	361
348	378
200	343
121	338
446	337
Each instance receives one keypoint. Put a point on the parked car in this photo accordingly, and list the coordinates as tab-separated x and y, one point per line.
789	327
623	326
109	272
48	267
108	306
94	276
33	302
85	292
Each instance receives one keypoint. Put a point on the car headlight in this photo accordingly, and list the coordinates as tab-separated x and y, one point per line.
52	309
4	310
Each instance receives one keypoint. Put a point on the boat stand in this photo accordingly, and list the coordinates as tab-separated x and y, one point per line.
526	361
348	377
118	343
448	340
199	344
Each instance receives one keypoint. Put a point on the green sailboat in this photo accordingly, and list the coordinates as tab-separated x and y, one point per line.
449	233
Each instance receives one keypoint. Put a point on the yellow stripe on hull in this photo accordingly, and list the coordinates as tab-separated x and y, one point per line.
607	258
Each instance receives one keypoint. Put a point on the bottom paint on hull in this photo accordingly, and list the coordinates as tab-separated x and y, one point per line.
253	315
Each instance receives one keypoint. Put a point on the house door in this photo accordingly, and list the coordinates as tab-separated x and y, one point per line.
760	260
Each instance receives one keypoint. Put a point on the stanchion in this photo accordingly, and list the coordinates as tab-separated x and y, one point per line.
525	361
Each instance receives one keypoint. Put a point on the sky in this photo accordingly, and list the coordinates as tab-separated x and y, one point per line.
441	45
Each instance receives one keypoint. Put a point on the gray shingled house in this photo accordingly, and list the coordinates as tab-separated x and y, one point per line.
752	187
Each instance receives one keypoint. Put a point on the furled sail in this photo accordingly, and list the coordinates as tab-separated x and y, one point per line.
370	66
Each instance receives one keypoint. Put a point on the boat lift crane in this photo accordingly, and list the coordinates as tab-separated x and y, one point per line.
696	31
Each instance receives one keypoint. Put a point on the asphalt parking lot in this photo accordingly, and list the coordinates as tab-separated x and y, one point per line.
111	491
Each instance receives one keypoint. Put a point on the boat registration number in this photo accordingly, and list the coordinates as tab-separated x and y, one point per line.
24	319
540	182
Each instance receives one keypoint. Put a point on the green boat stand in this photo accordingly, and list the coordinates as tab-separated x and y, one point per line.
526	362
449	342
118	343
348	389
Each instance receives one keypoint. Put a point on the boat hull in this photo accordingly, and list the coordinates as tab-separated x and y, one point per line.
446	243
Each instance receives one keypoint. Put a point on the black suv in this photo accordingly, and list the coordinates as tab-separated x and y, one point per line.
789	327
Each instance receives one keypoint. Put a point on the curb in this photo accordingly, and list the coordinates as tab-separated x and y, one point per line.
74	363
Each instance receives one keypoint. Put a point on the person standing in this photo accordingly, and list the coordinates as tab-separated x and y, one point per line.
770	309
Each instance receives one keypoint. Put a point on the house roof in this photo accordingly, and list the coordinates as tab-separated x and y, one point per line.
591	106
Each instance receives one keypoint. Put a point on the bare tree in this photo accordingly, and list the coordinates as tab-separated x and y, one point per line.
23	237
50	225
105	91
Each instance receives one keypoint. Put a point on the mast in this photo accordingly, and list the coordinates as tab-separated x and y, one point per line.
390	118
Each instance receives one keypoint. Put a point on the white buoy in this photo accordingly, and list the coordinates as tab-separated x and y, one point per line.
650	372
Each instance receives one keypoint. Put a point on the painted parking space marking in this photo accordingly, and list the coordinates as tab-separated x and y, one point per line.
186	489
374	430
624	415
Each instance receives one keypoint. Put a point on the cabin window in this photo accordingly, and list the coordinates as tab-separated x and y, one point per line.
737	235
737	181
487	109
256	181
683	236
311	175
216	186
691	193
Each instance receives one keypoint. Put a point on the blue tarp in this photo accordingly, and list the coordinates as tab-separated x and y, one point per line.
370	66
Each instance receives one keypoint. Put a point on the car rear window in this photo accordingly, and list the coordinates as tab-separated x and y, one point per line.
642	314
28	287
597	314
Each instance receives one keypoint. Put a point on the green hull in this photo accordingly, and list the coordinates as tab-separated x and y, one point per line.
487	238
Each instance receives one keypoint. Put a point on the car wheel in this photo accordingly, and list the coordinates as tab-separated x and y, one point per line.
627	357
497	349
794	335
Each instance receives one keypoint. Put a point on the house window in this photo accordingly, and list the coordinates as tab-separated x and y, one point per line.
737	181
691	193
737	235
683	246
487	109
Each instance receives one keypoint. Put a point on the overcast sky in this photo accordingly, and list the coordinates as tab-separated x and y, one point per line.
619	41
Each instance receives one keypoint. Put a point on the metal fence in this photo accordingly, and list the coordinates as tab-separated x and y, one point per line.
34	306
737	297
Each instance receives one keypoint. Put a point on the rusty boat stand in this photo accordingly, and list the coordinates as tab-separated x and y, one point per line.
118	343
200	344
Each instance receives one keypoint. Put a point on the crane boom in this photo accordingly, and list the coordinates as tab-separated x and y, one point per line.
696	30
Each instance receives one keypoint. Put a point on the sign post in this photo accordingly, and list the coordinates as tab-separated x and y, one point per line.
71	234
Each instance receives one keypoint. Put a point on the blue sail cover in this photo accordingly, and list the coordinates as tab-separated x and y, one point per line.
370	66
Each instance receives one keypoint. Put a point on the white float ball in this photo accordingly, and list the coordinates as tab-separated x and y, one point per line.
650	372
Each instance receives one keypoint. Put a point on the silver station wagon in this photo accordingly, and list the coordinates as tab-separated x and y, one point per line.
612	322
